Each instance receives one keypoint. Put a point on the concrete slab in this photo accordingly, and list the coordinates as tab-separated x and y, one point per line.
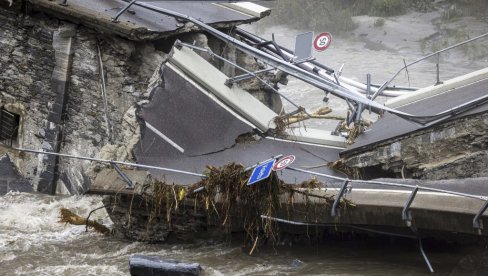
109	181
435	90
191	128
213	80
138	23
315	136
390	126
182	115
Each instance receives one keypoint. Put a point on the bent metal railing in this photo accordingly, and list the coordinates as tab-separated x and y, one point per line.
406	213
309	77
437	54
477	222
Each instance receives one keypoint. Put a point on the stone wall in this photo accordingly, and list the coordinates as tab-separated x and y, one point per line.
89	130
27	61
456	149
78	92
70	117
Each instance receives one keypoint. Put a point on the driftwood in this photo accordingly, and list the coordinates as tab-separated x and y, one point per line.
219	207
68	216
320	113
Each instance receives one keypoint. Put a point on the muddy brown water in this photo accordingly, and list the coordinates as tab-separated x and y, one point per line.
32	242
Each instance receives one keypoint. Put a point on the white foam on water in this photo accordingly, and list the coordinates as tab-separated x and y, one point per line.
32	213
70	270
125	250
32	220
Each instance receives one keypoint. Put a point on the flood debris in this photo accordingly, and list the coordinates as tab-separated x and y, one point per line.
68	216
219	206
341	166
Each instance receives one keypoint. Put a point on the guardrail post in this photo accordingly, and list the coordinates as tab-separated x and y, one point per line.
334	212
406	213
115	19
438	69
130	185
477	222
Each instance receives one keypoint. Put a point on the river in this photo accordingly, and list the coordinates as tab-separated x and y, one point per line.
32	242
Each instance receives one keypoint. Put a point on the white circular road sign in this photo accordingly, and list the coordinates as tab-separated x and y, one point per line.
322	41
283	162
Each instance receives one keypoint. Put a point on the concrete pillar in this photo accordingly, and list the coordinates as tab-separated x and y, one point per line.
62	44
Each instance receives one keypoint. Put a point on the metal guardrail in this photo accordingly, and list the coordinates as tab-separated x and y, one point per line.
230	81
306	76
345	188
477	222
438	60
282	65
406	213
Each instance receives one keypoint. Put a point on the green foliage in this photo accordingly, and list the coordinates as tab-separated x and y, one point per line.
336	15
314	15
388	7
477	8
421	5
379	22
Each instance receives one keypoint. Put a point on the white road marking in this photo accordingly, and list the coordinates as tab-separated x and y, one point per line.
171	142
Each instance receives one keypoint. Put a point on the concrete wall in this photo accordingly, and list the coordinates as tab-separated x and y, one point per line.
455	149
50	74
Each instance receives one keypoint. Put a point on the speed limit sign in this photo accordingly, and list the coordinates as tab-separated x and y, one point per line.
322	41
283	162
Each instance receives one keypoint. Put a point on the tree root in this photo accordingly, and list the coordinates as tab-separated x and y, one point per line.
68	216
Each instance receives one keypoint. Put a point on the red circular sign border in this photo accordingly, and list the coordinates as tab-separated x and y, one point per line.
292	157
321	49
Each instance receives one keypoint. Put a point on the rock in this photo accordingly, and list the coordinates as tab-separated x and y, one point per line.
140	265
296	263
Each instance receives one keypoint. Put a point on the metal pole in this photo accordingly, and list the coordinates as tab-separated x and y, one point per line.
368	89
115	19
243	69
248	76
436	53
438	70
426	259
372	182
110	162
123	175
477	222
104	95
334	212
276	62
406	214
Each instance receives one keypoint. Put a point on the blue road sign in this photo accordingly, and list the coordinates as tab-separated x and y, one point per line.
262	171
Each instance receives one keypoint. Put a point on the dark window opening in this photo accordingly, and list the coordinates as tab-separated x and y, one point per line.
9	127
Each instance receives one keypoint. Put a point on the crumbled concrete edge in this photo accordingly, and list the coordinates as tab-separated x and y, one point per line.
456	149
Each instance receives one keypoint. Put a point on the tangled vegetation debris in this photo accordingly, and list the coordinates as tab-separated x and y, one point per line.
232	206
68	216
340	166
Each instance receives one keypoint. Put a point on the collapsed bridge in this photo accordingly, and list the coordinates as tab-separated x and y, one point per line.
104	88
